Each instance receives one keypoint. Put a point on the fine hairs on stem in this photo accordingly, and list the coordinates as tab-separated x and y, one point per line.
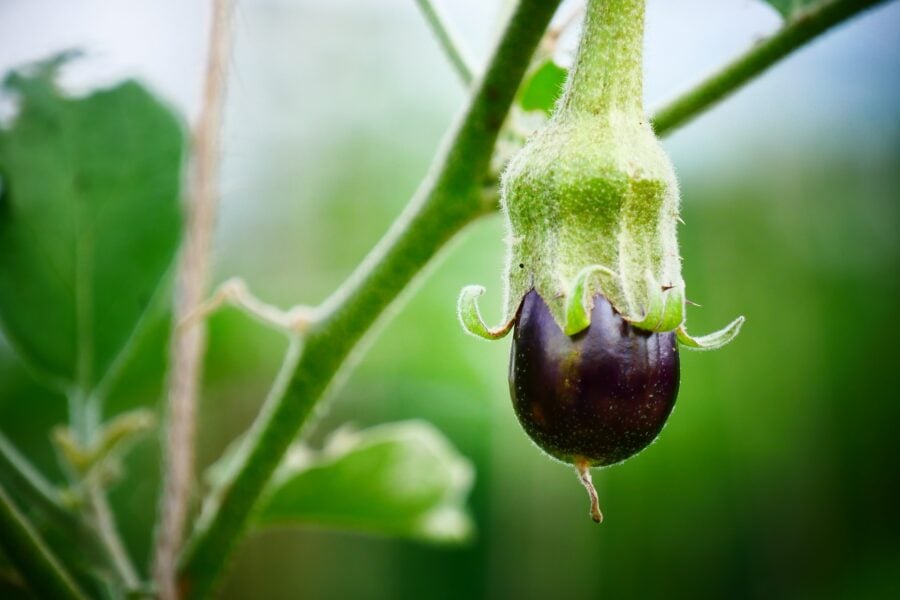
188	343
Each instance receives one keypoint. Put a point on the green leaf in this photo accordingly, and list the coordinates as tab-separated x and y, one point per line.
542	87
789	8
402	479
89	220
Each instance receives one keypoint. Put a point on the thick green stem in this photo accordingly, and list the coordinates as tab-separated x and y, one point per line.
448	199
799	30
607	73
35	561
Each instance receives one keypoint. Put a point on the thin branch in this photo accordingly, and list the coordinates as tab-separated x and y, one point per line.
34	560
84	417
293	321
797	31
105	524
448	40
448	200
18	473
188	343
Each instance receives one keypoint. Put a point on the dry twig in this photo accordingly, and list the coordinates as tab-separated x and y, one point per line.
188	343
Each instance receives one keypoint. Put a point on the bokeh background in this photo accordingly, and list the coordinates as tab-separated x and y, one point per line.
777	475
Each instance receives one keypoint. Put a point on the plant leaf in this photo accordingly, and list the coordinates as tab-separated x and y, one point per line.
89	220
789	8
542	87
401	479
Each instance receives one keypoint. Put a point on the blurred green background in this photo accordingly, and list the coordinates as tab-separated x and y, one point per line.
777	475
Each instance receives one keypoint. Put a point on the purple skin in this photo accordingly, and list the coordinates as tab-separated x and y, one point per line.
599	396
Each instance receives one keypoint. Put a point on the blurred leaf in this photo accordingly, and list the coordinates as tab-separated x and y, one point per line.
788	8
542	87
402	479
89	220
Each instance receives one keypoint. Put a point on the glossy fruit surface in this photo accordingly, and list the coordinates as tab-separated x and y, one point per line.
601	395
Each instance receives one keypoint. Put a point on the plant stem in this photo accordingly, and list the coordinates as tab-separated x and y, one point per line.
189	340
447	40
608	71
84	421
17	473
40	568
448	199
19	476
84	415
797	31
109	534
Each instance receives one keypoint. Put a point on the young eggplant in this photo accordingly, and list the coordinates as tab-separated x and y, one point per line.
594	286
599	396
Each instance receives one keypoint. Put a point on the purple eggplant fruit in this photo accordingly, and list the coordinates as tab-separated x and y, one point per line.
595	398
592	212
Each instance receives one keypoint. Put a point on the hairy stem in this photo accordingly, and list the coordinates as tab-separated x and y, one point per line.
797	31
449	44
189	340
448	199
34	560
609	76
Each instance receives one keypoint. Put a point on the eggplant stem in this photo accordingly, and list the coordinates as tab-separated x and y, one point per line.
584	474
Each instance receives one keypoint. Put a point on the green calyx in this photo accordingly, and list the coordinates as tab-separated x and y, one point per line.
592	200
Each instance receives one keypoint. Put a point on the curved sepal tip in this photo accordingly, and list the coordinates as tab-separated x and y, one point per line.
712	341
470	316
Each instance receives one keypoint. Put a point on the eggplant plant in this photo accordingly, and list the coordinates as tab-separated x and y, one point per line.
93	232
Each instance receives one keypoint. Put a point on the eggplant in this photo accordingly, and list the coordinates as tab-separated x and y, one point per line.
595	398
594	288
